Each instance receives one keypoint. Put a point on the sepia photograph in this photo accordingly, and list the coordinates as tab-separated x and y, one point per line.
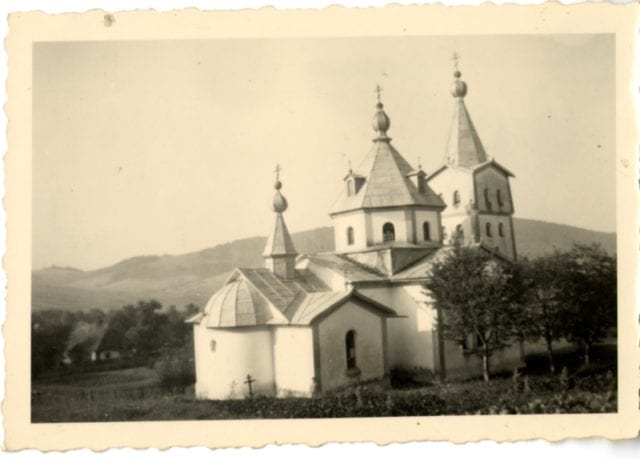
323	228
395	226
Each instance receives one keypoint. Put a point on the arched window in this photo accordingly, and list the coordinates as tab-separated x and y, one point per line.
487	201
426	231
388	232
350	347
499	198
500	230
456	198
350	237
488	229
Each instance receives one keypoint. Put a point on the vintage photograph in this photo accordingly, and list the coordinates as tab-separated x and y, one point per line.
345	227
244	228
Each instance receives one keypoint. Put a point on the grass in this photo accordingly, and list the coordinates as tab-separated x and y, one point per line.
133	394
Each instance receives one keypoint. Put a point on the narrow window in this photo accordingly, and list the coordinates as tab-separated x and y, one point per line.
388	232
350	188
488	229
487	201
499	198
212	345
350	238
456	198
500	230
350	346
420	184
426	231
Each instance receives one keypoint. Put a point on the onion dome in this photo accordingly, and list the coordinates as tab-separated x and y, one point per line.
381	122
459	87
279	201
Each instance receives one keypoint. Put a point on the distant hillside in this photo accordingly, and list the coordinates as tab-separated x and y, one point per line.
193	277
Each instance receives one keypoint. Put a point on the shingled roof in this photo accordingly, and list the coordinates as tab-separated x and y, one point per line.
258	297
387	180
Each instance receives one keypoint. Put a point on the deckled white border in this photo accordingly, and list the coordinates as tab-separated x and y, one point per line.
538	448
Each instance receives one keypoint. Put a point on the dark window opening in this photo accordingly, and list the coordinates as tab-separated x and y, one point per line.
350	237
388	232
488	229
487	201
426	231
499	198
500	230
456	198
350	346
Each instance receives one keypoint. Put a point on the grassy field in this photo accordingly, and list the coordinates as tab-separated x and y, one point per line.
134	394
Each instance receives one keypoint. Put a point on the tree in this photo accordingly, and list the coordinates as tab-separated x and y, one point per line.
589	293
478	295
545	310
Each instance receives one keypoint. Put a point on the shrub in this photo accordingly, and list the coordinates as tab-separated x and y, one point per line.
176	369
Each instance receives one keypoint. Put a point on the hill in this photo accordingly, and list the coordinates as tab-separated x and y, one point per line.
193	277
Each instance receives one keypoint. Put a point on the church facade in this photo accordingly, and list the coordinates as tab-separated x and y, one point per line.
316	322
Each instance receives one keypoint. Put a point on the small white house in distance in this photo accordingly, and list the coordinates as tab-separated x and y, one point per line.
316	322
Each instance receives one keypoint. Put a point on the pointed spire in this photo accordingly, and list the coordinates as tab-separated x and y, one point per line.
464	147
279	252
381	121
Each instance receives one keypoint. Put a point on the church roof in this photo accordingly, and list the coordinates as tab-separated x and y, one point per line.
387	179
257	297
464	147
473	169
356	272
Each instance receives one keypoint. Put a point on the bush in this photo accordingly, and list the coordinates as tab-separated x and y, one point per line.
176	369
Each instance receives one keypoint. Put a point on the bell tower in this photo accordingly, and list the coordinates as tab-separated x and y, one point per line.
474	186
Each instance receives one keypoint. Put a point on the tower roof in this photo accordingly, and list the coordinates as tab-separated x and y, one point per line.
464	147
387	177
279	242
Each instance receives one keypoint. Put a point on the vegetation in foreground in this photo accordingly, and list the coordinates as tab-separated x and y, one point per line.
136	395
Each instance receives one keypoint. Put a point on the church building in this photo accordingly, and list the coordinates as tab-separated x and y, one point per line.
309	323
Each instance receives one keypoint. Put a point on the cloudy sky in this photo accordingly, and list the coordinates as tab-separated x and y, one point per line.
169	146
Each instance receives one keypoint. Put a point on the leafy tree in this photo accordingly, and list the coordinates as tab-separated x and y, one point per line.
589	292
478	296
544	313
50	330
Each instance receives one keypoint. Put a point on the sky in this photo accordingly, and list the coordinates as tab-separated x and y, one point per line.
167	147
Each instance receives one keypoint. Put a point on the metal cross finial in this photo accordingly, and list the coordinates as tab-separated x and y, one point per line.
350	166
277	171
419	163
455	57
378	91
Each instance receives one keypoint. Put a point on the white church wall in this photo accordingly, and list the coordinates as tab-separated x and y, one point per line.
450	180
342	222
293	361
396	217
224	358
369	344
410	337
431	217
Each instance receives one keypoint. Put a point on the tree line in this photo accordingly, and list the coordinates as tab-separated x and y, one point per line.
142	332
568	295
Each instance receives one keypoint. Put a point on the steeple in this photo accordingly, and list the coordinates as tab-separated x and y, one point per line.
279	253
464	147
